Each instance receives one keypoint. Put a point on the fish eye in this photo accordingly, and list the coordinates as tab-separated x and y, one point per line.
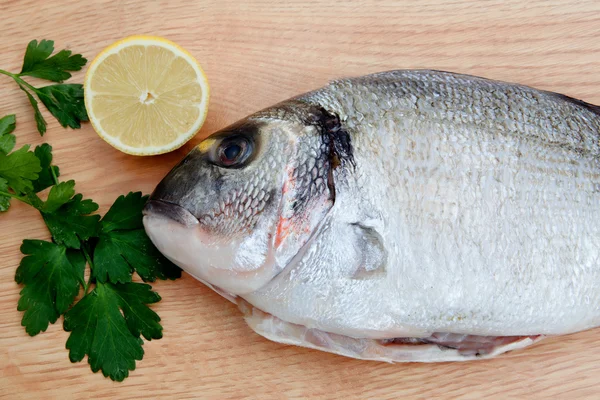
233	152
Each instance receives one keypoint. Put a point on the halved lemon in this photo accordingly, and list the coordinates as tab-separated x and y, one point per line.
146	95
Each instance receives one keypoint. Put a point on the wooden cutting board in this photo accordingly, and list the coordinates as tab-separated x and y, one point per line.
255	55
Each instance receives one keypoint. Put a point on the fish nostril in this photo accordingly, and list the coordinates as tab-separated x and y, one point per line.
171	211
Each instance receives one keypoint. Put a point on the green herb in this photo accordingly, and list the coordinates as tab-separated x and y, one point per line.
51	283
71	223
19	168
38	63
108	322
123	246
46	175
64	101
4	196
7	140
106	326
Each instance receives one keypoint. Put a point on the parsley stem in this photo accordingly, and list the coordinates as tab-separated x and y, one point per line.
91	264
35	201
82	283
3	72
54	177
22	83
18	79
14	196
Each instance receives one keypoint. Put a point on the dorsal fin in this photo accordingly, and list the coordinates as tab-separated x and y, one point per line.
590	107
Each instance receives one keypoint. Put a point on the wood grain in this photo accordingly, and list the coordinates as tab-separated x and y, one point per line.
256	54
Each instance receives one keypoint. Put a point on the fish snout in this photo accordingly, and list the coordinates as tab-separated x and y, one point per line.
165	209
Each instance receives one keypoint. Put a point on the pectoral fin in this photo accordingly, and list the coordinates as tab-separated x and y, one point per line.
371	264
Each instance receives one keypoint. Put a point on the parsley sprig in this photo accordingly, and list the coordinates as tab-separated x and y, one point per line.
64	101
107	323
108	313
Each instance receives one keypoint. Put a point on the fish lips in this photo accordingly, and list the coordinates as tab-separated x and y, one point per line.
213	260
171	211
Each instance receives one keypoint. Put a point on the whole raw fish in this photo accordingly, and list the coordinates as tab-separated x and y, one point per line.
400	216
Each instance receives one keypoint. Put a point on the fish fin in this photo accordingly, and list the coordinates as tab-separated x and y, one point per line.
466	345
392	350
373	257
580	103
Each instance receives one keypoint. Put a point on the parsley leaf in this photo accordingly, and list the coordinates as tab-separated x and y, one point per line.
19	168
70	223
38	63
4	199
7	124
46	176
123	245
111	339
125	213
39	118
59	195
118	253
140	319
51	278
65	102
7	141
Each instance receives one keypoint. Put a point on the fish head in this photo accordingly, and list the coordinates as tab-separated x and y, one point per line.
238	208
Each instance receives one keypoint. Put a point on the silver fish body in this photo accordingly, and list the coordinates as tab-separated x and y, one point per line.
403	208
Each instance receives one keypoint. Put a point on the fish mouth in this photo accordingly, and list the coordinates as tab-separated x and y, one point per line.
220	262
171	211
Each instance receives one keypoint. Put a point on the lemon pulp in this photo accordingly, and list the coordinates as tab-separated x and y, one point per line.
146	95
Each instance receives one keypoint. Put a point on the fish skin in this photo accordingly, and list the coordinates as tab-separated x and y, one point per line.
468	206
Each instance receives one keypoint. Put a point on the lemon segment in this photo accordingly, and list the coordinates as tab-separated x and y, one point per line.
146	95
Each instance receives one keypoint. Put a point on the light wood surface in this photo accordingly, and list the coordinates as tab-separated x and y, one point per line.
255	55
